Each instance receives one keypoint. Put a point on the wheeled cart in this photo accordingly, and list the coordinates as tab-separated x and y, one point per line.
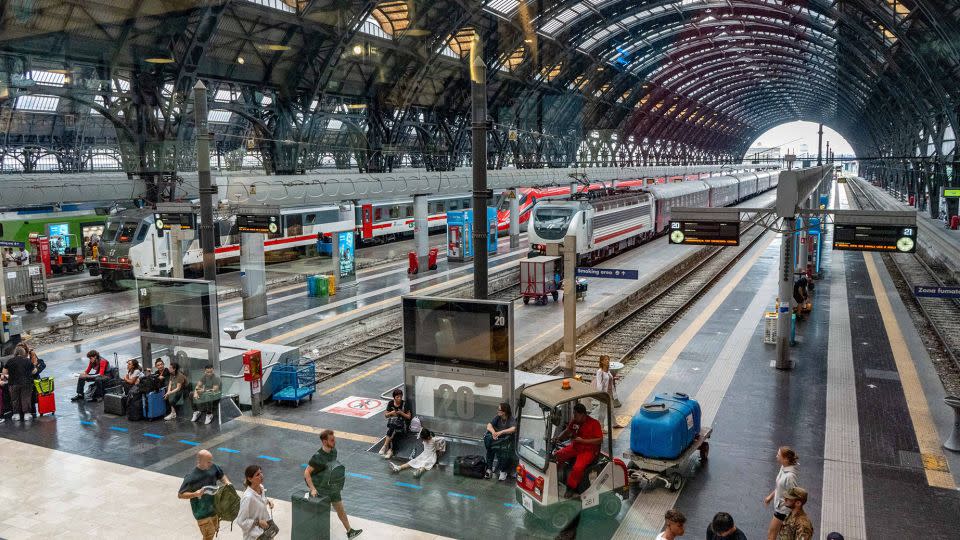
648	472
294	382
26	286
538	279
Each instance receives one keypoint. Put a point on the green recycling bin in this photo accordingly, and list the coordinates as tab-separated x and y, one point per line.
323	284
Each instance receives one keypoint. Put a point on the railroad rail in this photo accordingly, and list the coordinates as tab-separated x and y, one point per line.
670	297
943	314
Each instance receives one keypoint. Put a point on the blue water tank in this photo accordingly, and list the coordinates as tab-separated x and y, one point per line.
665	427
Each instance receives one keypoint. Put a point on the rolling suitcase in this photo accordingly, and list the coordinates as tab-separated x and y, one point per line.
135	407
46	404
115	404
154	406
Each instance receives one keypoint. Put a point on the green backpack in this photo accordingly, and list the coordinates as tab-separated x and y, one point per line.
226	503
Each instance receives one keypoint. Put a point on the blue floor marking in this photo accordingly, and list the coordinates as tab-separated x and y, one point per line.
461	495
270	458
153	435
115	428
303	465
87	423
229	450
404	484
358	475
509	505
191	443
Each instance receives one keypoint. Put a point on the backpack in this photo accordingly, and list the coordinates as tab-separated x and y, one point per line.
470	466
226	503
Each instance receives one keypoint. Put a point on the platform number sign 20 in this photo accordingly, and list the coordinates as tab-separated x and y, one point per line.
457	403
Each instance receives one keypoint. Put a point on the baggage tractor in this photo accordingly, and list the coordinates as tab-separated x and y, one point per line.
114	403
46	404
311	517
470	466
154	406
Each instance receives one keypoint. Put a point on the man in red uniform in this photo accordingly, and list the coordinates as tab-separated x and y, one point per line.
586	435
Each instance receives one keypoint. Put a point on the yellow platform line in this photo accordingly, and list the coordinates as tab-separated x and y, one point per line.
934	462
660	369
261	421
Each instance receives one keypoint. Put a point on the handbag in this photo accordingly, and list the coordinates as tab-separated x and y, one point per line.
271	531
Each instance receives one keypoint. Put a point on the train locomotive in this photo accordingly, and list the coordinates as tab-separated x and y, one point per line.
609	221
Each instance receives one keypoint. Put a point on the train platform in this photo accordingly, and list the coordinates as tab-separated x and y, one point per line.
862	406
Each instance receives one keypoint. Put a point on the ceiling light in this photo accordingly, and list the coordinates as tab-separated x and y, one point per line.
60	71
240	60
528	40
416	32
275	47
159	60
357	106
358	50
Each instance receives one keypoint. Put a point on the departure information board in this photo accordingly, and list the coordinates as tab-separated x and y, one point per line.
165	220
861	237
266	224
705	233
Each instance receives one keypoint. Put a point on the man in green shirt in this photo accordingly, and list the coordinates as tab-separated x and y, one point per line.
797	526
316	474
196	486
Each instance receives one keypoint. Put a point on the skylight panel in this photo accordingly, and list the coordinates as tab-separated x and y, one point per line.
334	125
37	103
223	96
503	7
47	78
219	117
275	4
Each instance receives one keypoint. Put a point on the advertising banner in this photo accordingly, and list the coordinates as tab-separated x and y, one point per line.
346	256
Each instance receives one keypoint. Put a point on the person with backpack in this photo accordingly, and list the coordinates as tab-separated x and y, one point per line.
256	510
199	487
316	475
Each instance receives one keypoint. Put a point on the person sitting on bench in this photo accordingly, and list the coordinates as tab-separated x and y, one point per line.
499	441
206	396
586	436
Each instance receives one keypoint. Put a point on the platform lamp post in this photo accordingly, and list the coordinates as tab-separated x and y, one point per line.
478	89
207	188
568	358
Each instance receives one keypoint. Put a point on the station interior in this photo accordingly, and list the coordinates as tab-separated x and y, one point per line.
246	293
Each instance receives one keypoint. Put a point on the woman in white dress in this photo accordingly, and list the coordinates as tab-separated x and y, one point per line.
432	448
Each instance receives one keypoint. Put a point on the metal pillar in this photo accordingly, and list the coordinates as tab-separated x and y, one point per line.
253	276
515	220
786	294
568	358
176	252
820	146
573	189
421	230
4	330
807	238
478	87
207	188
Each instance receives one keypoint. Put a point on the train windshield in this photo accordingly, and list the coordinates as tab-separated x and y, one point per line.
552	223
110	231
126	231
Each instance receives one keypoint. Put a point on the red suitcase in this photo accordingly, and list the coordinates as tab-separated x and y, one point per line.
46	404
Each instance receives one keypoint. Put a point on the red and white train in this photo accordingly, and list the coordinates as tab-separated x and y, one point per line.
621	219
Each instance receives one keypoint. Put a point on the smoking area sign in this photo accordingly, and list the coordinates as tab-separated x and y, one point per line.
357	407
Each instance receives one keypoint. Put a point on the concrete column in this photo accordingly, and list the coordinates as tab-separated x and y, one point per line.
176	252
253	276
568	358
515	220
421	230
786	295
804	258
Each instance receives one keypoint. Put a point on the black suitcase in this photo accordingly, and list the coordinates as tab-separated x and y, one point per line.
135	407
470	466
115	404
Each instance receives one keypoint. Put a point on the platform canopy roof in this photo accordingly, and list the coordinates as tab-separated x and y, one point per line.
303	83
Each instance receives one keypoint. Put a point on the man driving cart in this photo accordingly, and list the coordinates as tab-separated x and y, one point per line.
586	435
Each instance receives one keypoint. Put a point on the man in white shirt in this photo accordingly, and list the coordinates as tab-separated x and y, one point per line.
674	526
23	257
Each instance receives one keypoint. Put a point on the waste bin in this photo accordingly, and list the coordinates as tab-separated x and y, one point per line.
323	285
313	286
311	516
413	265
332	285
954	222
432	258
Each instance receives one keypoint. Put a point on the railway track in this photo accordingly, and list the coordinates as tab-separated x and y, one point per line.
369	348
942	314
668	299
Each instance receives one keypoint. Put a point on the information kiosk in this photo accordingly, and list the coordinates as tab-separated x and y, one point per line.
458	361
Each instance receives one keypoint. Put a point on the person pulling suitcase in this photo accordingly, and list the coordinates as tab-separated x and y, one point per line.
314	475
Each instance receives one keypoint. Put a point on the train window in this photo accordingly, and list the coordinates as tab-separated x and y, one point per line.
310	219
294	224
127	230
110	233
144	229
454	205
377	214
395	211
409	208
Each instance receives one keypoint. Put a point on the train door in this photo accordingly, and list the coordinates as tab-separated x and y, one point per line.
366	221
